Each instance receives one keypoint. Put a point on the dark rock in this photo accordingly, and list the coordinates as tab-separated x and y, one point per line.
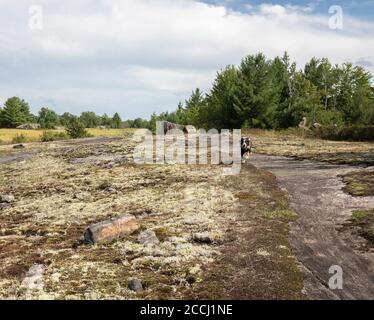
135	285
18	146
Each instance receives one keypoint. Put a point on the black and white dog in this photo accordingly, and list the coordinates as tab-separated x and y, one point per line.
246	147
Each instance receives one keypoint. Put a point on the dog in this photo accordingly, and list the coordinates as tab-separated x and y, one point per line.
246	147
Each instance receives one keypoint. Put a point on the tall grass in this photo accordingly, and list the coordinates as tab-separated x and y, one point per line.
7	135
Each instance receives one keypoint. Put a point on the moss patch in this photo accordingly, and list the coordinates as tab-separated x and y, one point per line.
364	221
359	183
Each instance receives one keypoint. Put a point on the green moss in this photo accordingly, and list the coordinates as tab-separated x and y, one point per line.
164	233
359	183
279	214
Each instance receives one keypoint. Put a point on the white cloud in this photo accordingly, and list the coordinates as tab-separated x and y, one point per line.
140	56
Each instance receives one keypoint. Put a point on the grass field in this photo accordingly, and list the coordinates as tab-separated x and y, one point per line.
7	135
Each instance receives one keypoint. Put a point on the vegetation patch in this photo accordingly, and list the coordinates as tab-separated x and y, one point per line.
298	144
19	138
48	136
359	183
364	221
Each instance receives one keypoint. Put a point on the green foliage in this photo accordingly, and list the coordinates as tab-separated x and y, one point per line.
14	113
19	138
259	93
75	129
48	119
273	94
116	121
90	119
66	118
105	120
53	136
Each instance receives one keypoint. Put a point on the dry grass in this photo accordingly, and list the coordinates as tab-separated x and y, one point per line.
7	135
46	223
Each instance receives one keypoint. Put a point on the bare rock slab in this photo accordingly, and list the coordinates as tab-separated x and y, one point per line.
112	229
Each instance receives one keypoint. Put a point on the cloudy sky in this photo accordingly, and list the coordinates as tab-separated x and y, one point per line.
141	56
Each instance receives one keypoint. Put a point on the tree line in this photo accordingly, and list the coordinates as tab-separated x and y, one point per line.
259	93
16	112
274	94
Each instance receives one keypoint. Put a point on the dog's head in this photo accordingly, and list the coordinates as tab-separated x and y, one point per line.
246	143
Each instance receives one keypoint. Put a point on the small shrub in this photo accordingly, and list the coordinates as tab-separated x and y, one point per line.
19	138
53	136
75	129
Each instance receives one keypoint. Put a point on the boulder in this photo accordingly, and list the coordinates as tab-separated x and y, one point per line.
109	230
6	198
148	237
203	237
29	126
135	285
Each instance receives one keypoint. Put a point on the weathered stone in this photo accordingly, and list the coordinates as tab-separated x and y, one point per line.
109	230
110	190
148	237
135	285
6	198
29	126
203	237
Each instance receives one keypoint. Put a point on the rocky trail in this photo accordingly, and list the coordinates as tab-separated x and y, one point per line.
317	236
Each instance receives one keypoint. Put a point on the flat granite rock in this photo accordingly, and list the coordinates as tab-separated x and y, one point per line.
109	230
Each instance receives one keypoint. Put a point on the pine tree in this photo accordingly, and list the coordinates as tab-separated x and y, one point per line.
14	113
116	121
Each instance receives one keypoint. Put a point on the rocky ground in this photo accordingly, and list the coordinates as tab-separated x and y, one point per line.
300	147
202	234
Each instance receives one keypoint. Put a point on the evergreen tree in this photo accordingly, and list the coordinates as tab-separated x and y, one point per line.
116	122
15	113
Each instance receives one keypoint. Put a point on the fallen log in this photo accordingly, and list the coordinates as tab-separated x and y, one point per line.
109	230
